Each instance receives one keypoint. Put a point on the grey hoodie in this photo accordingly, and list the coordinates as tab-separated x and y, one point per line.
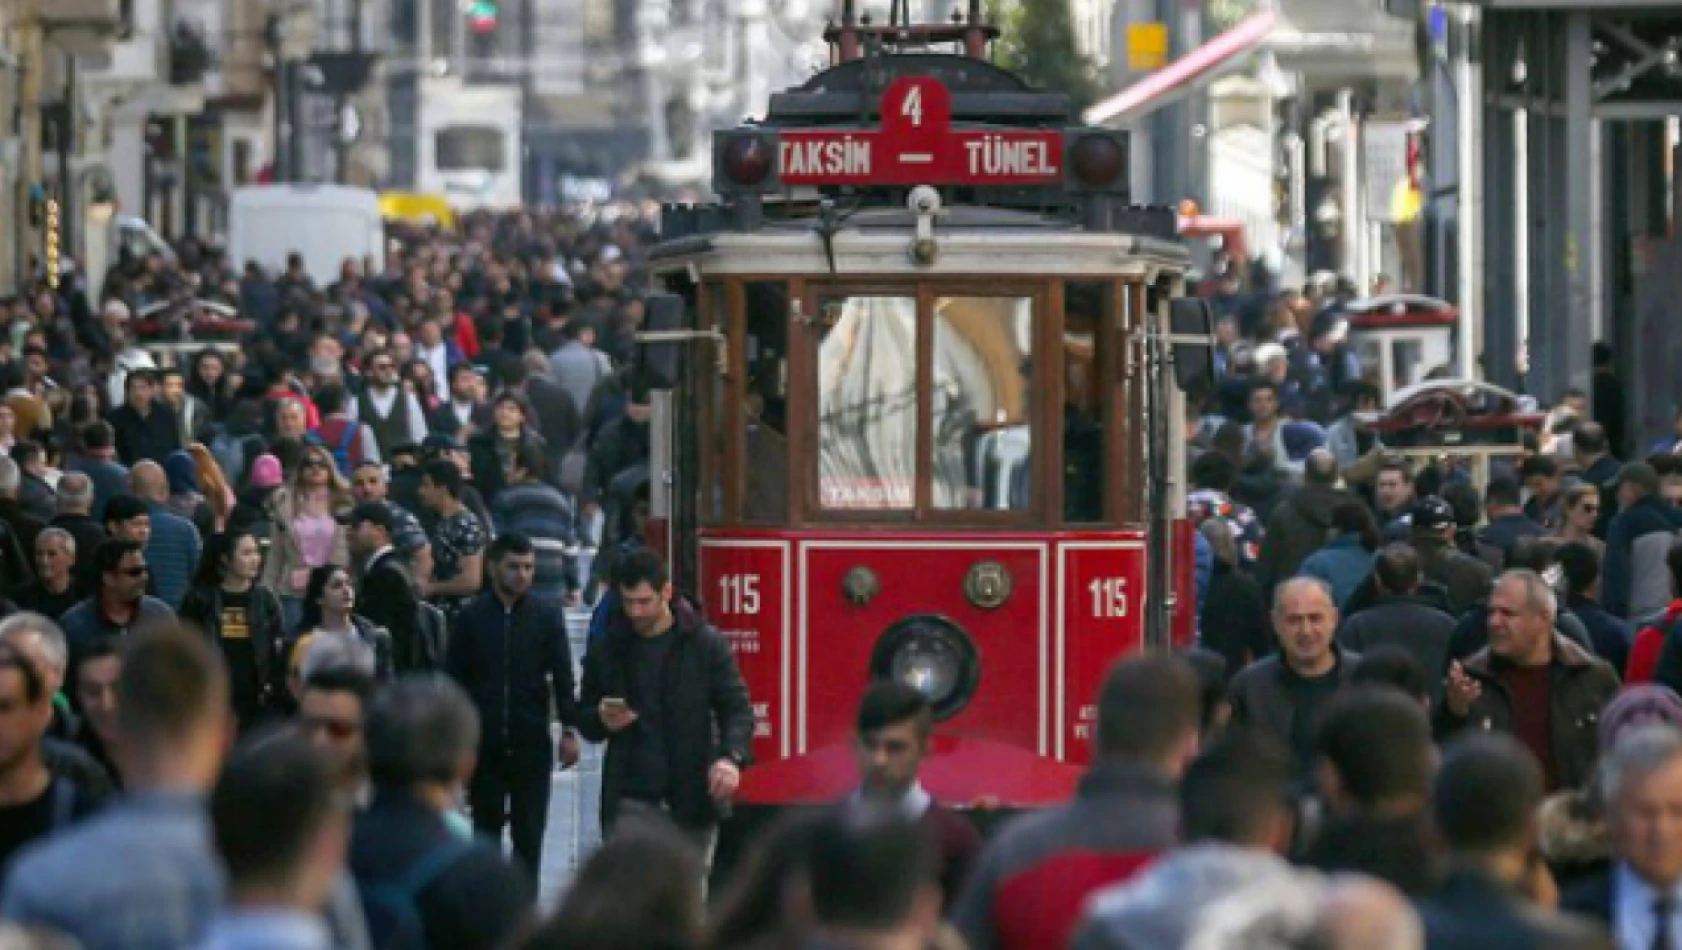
1159	909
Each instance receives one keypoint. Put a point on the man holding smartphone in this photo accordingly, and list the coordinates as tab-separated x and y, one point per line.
659	685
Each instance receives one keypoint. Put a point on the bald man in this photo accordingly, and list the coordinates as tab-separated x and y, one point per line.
173	549
1283	694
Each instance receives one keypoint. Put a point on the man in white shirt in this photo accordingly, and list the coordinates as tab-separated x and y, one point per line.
386	407
1641	897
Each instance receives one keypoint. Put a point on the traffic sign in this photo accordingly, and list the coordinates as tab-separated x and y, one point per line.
916	145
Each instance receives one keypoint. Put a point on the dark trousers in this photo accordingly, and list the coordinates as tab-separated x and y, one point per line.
512	789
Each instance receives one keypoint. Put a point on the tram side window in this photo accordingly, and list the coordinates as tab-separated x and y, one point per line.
982	409
714	414
1084	307
867	403
765	407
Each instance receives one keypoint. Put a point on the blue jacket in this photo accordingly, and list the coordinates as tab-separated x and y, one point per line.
173	554
513	661
1637	581
1342	563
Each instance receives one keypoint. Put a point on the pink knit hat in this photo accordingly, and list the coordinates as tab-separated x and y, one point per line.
265	472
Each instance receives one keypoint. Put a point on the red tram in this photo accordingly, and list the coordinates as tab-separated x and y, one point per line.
916	414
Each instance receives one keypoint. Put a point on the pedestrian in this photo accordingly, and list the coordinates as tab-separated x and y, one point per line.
1281	695
75	515
388	591
369	483
1032	880
34	802
662	690
1400	617
244	619
1431	531
1235	825
331	626
393	413
173	546
1233	619
1373	765
144	425
142	875
1532	683
1610	636
537	509
98	461
1641	534
1508	524
332	711
892	739
1346	558
95	692
54	590
119	605
1298	526
458	538
42	643
306	534
637	891
1483	809
873	881
510	652
280	829
421	885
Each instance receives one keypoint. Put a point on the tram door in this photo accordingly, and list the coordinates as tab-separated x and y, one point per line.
673	360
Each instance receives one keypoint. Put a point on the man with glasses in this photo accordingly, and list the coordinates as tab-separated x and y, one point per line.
119	606
394	415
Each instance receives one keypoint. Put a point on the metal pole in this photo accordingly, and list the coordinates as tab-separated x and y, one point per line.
1469	213
32	47
67	147
1350	176
1578	334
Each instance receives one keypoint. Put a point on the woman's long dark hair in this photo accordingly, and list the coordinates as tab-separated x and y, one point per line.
213	567
313	592
1354	517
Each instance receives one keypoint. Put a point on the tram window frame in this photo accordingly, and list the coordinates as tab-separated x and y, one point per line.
1106	357
714	398
742	300
1047	327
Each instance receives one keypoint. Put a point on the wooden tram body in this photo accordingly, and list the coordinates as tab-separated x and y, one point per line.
915	415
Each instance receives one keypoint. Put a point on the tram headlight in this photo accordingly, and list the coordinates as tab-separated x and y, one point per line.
746	160
1098	160
932	655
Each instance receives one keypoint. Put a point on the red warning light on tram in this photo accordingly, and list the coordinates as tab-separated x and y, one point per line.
916	145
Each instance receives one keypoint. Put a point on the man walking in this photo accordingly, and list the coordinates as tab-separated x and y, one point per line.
661	688
510	652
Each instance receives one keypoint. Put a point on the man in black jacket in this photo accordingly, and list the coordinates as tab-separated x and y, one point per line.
387	594
145	426
510	652
661	688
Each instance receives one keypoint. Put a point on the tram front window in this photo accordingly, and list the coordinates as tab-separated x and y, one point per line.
765	407
867	403
982	399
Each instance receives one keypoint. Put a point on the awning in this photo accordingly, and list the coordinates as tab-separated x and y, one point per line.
1187	74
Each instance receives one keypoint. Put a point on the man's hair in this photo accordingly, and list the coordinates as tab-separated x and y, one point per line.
1581	566
444	474
125	506
868	865
1215	471
1503	492
1211	671
1379	741
34	684
342	679
273	798
75	490
510	542
172	685
56	534
1352	516
141	375
1148	705
1535	554
25	451
1397	465
1397	568
1636	755
98	435
100	647
1321	468
53	643
1260	383
110	553
1538	466
329	399
641	567
1488	789
421	729
636	891
1234	788
1391	666
890	702
1589	438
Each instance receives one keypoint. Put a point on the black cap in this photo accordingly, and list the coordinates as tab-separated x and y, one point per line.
377	512
1641	474
1431	514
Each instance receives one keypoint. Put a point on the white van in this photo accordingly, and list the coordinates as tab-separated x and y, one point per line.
324	223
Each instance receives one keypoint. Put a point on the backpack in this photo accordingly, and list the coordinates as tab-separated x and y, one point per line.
432	636
347	453
391	907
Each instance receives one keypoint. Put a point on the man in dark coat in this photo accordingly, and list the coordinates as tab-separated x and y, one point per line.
661	688
387	594
1300	525
145	426
1400	618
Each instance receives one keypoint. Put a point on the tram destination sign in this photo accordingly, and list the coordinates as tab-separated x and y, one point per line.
917	145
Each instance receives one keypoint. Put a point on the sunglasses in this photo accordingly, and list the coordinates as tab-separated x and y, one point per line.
314	463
